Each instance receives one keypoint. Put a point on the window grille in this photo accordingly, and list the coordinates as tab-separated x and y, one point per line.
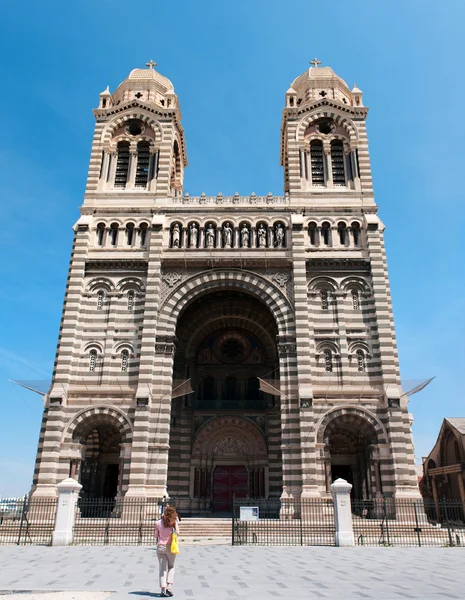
360	361
100	300
92	360
324	299
328	361
122	165
131	300
316	159
337	162
124	360
143	161
355	300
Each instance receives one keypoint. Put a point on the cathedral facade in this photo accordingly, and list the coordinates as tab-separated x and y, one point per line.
227	345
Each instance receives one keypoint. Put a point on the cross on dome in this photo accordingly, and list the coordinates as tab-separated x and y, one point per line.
151	64
315	62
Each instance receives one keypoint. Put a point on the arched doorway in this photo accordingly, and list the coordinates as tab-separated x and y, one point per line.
102	436
226	340
351	453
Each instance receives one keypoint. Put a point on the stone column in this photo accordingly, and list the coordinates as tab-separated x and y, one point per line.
202	237
112	168
132	167
344	534
328	165
68	492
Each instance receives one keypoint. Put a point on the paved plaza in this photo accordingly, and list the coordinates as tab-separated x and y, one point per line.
225	572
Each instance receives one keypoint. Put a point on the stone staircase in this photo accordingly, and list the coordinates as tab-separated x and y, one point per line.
205	531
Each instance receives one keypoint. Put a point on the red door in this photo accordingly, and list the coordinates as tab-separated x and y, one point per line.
228	481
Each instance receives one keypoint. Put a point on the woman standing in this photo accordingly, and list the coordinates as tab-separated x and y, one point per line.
163	532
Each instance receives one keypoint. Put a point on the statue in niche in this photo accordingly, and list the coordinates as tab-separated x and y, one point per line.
279	235
256	355
261	233
206	355
227	235
176	236
194	234
210	236
245	236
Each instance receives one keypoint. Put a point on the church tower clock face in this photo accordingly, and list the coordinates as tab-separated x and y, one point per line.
229	345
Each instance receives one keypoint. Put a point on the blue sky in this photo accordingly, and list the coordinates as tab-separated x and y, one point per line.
231	64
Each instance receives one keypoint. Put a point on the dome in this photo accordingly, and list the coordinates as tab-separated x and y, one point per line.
320	82
141	75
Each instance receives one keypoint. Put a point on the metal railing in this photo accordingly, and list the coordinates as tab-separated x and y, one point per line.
27	520
283	522
403	522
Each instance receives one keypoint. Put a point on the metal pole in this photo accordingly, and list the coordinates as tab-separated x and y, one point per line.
417	528
23	512
387	524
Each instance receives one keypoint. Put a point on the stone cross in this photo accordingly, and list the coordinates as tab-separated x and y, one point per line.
151	64
315	62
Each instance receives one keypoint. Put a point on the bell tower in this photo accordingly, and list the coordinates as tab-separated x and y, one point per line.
323	138
138	149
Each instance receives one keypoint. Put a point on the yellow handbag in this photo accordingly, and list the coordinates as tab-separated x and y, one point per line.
174	543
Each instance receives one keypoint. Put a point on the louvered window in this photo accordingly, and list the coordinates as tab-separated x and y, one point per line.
130	234
100	233
360	361
122	165
316	159
130	300
324	299
99	300
124	360
328	361
143	161
337	162
92	360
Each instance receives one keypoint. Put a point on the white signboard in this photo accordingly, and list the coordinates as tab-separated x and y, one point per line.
249	513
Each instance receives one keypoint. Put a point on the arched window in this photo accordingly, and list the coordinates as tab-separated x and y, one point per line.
360	361
316	159
326	234
131	300
122	165
337	162
143	161
328	360
143	234
130	234
114	234
355	300
253	389
312	231
209	389
92	360
124	360
356	233
230	389
324	299
100	234
342	231
100	297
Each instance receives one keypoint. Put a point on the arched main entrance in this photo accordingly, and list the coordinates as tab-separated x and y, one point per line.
228	430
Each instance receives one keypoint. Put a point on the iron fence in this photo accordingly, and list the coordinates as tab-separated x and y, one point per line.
27	520
403	522
283	522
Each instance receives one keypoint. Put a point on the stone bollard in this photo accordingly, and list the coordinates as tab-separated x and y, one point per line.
68	492
344	533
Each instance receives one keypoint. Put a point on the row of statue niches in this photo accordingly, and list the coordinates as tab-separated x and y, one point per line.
227	237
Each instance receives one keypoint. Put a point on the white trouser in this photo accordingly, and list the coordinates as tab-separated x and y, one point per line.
166	563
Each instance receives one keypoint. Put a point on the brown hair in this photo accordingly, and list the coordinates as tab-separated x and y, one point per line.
169	516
